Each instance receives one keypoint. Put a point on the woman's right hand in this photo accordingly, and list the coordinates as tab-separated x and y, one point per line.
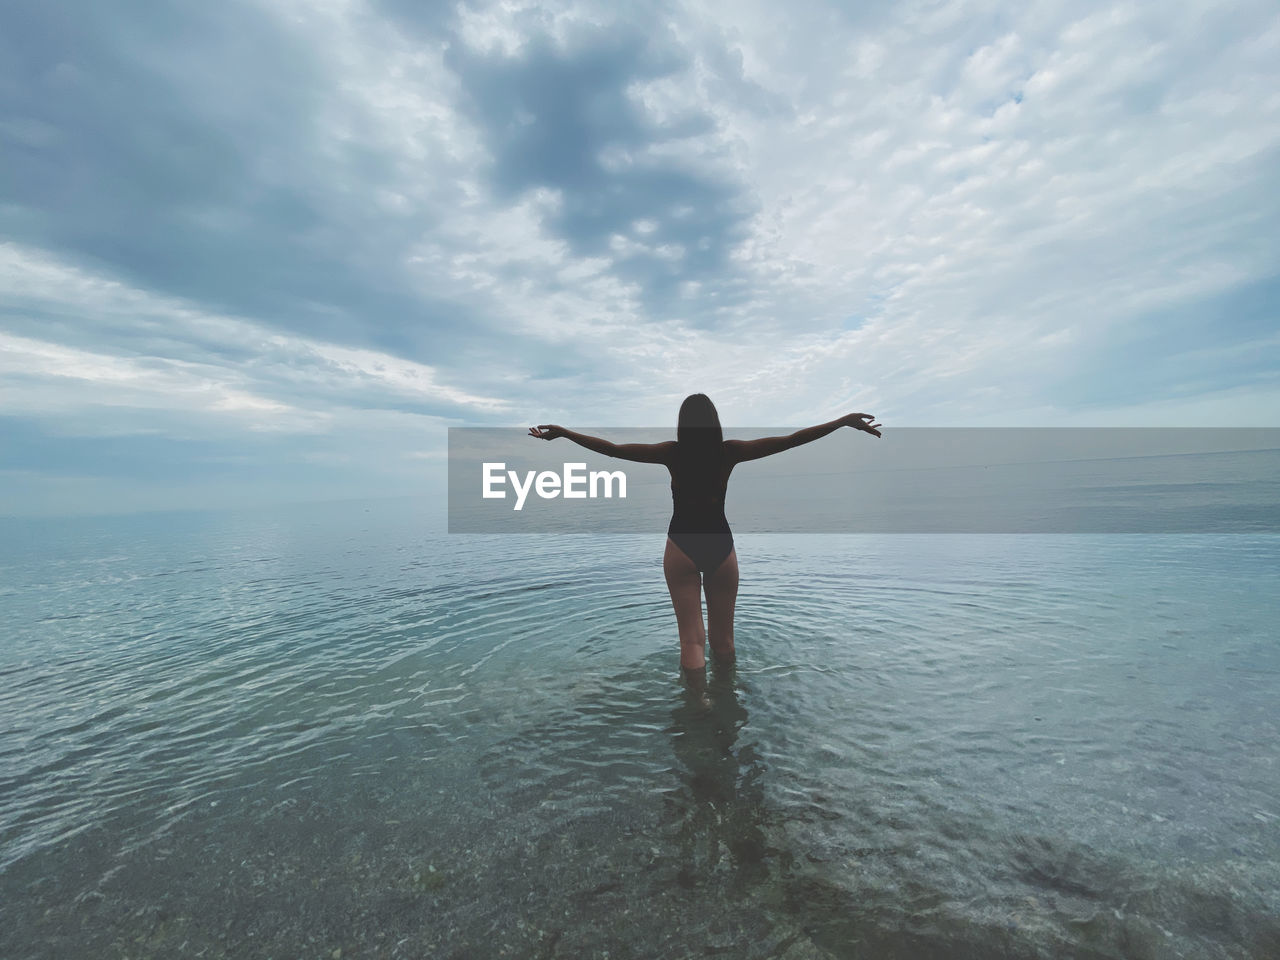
548	431
862	421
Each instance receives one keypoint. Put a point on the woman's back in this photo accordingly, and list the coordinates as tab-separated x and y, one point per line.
699	481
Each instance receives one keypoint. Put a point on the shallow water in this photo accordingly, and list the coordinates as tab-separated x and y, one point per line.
291	732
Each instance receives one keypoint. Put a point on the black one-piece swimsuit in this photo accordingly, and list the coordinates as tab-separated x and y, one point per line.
698	524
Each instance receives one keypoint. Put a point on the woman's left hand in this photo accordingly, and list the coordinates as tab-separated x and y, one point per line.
548	431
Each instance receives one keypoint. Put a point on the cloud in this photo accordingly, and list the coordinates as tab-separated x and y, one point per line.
243	367
576	117
339	227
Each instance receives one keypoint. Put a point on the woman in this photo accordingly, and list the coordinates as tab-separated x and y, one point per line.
700	556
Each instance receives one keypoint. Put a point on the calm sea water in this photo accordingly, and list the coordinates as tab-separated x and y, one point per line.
288	733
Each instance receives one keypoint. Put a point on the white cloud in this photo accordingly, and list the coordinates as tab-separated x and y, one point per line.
950	212
34	375
253	372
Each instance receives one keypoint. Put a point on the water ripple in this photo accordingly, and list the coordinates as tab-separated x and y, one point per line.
931	746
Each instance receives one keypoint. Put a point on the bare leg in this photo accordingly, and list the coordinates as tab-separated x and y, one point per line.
722	596
685	584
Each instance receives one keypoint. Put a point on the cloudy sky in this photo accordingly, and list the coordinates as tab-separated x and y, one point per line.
261	251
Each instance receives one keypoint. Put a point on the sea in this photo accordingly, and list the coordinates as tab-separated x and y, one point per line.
339	731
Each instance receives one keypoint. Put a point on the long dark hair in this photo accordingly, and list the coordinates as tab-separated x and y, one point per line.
699	423
698	432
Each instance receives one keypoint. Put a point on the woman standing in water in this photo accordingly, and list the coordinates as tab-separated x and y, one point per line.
700	556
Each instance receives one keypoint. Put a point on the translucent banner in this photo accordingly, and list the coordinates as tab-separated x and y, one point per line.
910	480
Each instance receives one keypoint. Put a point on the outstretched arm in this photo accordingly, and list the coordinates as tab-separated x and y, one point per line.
639	452
740	450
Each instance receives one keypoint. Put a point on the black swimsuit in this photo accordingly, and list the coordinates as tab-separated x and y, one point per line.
698	524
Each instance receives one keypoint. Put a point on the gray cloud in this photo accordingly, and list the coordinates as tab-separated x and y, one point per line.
313	235
185	153
560	116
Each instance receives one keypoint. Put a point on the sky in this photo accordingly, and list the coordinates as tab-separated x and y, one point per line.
255	252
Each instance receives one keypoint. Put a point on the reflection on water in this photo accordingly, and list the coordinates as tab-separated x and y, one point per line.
292	735
718	807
